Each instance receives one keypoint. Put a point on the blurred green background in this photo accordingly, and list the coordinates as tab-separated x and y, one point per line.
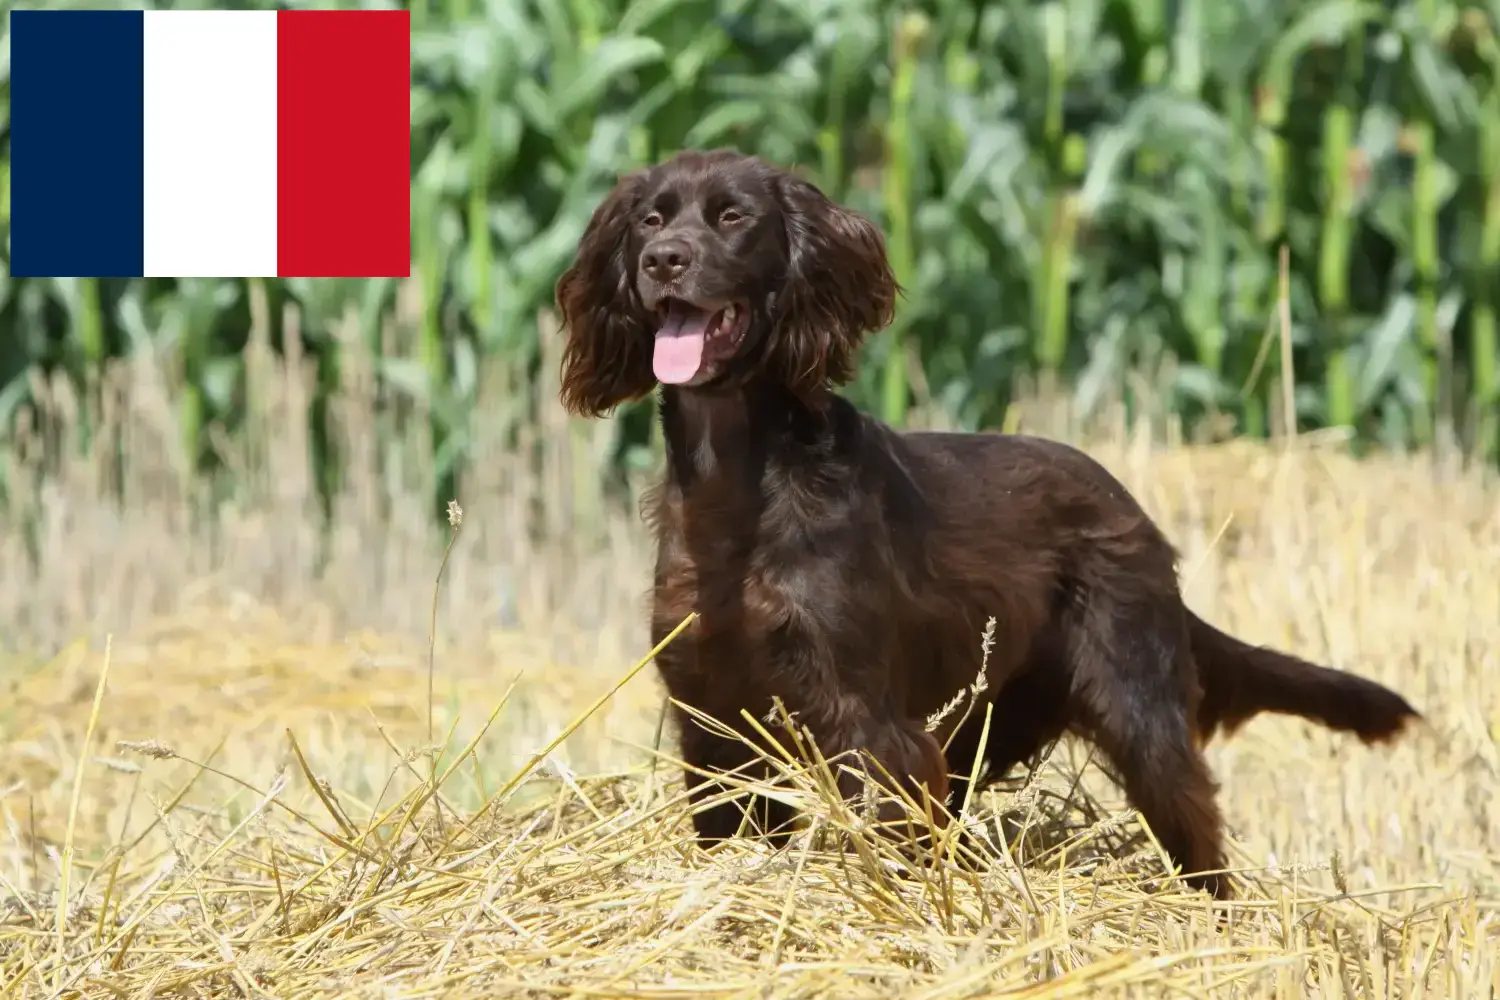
1087	195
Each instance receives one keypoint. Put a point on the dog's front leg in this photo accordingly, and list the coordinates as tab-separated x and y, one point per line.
893	758
718	812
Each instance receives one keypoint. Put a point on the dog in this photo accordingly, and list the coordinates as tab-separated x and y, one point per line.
849	569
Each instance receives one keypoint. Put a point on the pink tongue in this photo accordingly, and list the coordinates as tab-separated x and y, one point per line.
679	343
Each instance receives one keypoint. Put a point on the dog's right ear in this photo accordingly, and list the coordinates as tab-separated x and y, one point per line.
607	360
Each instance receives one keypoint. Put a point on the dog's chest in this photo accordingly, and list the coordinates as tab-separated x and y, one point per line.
749	592
768	576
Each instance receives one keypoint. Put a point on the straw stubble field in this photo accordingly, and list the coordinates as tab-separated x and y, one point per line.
226	783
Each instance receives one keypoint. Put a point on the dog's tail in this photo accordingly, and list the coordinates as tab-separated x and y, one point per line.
1240	681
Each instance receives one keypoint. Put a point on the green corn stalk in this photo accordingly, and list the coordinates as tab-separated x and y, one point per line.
1256	421
426	209
481	247
1057	253
1270	116
81	302
1339	166
90	321
1424	239
589	17
841	72
1434	425
1204	297
1151	23
1271	101
961	67
1057	263
1485	343
897	188
1248	295
1484	355
197	350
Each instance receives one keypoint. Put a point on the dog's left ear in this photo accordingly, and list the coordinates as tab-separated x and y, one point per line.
839	286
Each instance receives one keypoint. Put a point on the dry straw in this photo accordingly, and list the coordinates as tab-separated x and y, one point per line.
265	828
593	887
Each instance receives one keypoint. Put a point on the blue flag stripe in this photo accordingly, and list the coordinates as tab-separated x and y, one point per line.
77	143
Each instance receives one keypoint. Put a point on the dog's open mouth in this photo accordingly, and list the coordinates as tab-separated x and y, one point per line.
693	341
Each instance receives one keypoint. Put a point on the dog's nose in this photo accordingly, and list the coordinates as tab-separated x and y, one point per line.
666	259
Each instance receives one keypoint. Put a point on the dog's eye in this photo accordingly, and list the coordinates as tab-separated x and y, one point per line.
653	220
730	216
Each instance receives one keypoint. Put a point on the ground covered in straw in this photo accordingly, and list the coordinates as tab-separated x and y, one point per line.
227	802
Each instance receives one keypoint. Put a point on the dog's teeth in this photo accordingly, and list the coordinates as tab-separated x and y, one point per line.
729	314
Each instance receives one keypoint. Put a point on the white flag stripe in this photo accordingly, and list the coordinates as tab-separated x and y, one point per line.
210	143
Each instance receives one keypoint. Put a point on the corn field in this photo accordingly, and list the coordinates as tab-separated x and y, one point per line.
1089	195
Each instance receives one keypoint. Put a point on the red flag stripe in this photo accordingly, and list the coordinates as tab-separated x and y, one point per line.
343	143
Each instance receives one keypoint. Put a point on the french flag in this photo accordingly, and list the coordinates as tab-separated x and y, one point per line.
191	143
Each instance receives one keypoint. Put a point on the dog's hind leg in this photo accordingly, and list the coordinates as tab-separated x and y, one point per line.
1135	695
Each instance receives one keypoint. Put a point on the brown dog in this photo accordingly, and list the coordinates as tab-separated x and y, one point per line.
849	569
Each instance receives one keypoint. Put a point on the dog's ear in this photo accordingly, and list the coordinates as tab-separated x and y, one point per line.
839	286
607	360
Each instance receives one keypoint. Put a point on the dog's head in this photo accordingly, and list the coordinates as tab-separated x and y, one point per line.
713	269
